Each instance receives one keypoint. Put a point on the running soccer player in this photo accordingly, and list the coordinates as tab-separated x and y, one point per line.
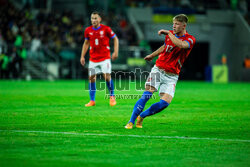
164	75
97	41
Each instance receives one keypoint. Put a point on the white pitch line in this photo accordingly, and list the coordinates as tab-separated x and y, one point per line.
136	136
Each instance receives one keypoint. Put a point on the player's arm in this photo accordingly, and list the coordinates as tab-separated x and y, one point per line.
85	48
116	48
154	54
179	43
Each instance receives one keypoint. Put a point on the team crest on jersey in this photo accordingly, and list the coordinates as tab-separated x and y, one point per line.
101	34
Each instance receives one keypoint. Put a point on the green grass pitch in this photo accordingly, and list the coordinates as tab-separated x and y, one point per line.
46	124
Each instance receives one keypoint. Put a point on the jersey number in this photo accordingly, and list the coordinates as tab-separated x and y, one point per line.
96	42
169	48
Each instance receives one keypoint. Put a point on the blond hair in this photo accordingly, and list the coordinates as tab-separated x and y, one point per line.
181	18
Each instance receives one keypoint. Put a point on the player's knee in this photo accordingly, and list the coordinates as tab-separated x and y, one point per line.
166	97
107	77
92	78
150	88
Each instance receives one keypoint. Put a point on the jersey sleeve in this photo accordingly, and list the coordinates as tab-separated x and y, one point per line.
191	41
86	34
110	33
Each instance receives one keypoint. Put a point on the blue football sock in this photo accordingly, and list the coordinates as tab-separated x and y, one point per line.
110	86
139	106
154	108
92	90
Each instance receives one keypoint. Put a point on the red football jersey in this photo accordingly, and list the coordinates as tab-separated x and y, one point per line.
99	49
172	57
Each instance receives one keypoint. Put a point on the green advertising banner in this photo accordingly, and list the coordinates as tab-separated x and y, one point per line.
220	74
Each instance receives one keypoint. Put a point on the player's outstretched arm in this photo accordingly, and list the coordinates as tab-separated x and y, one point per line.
154	54
179	43
162	31
116	49
85	48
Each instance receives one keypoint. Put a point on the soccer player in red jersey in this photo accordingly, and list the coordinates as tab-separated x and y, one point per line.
96	40
164	75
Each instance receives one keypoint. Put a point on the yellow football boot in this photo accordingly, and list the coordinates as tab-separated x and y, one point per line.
129	125
139	122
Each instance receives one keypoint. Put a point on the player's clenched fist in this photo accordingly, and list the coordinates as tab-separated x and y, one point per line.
165	32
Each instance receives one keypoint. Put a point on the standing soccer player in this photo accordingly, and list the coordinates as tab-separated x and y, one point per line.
164	75
97	41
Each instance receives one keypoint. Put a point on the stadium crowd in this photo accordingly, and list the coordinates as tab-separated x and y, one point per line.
193	6
23	33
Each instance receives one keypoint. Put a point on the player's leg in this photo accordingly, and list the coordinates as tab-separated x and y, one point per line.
110	86
106	70
151	86
109	83
157	107
139	105
154	108
94	68
167	90
92	90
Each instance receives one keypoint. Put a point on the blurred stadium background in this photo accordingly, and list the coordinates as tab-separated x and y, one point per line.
42	39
